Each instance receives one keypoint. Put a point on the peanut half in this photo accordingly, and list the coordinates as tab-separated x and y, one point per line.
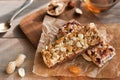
11	67
19	60
21	72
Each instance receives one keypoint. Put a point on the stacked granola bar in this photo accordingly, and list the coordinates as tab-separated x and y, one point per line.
72	40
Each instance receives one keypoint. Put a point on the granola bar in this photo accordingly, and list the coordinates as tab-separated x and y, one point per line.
102	48
90	32
63	49
101	53
72	41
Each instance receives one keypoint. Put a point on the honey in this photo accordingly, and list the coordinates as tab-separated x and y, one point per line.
98	6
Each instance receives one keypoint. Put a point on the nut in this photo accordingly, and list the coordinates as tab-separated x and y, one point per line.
78	11
17	63
55	7
81	36
86	57
61	57
46	47
85	46
21	72
55	55
20	59
70	42
63	49
72	4
59	45
53	61
74	38
92	25
78	44
10	67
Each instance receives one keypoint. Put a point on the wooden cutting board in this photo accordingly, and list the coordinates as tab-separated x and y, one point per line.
31	25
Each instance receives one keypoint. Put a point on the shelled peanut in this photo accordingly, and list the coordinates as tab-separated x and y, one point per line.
21	72
13	64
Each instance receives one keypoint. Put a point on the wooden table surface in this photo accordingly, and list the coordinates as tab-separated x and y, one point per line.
14	41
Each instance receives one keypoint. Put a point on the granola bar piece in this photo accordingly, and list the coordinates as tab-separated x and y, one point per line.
72	41
101	54
90	32
92	39
63	49
69	27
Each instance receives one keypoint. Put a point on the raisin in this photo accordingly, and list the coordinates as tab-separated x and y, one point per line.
98	60
92	52
111	49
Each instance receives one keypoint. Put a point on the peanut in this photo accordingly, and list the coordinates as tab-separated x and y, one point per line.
20	59
17	63
92	25
21	72
11	67
86	57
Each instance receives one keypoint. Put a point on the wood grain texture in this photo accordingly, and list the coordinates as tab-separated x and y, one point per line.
32	26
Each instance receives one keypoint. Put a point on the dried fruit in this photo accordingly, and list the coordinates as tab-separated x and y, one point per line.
74	69
70	48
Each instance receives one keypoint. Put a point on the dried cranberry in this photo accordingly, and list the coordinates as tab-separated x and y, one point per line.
98	60
93	52
111	49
